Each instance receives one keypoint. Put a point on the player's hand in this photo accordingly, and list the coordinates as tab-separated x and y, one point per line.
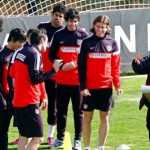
69	66
138	58
119	91
85	92
57	63
44	104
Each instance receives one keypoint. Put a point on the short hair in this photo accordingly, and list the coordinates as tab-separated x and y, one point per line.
36	36
72	13
30	31
17	34
1	24
59	8
102	19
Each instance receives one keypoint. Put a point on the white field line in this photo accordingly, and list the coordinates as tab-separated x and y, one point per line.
132	76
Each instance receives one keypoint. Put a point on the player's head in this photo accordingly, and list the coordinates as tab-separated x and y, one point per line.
72	13
16	38
1	24
57	15
101	26
39	38
17	34
29	33
72	18
59	8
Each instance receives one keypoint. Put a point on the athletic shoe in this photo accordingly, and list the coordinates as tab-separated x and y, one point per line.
15	142
59	143
77	145
50	141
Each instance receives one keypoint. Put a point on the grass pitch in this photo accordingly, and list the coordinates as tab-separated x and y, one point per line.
127	122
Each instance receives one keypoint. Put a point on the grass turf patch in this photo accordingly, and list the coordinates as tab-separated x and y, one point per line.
127	122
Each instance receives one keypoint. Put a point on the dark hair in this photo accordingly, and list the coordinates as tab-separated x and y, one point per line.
36	36
102	19
1	24
72	13
30	31
59	8
17	34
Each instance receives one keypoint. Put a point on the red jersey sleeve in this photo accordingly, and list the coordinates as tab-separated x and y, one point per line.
116	69
43	91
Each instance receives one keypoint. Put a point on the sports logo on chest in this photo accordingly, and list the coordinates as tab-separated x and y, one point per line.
108	48
21	57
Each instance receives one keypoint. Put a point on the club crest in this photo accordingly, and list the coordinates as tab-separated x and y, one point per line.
109	48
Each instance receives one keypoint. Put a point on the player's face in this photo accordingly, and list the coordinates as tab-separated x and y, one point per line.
44	44
18	44
100	29
57	19
72	24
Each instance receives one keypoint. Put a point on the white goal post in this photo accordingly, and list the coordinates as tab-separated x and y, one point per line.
9	8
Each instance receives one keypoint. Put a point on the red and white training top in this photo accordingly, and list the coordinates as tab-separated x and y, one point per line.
99	63
47	64
27	72
66	46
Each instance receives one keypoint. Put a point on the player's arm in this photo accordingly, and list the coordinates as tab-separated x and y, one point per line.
43	96
141	65
43	91
82	58
34	68
2	99
115	68
35	71
54	48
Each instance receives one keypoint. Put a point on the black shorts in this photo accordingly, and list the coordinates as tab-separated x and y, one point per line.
29	121
101	99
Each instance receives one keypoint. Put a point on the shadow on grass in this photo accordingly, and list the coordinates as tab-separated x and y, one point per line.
43	146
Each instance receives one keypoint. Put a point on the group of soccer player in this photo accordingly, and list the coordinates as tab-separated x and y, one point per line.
58	63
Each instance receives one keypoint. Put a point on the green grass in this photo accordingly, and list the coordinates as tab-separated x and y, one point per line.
127	122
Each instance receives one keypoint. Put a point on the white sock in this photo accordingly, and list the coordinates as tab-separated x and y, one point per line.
101	148
86	148
51	129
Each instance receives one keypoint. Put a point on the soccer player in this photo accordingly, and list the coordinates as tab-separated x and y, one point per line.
16	40
27	73
12	84
66	45
99	68
57	18
141	65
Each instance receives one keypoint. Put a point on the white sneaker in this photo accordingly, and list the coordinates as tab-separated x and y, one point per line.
59	143
77	145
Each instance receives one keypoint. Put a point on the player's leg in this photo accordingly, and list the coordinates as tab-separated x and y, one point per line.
50	86
78	115
23	142
34	143
5	118
104	102
148	121
63	98
88	110
88	115
30	126
103	128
